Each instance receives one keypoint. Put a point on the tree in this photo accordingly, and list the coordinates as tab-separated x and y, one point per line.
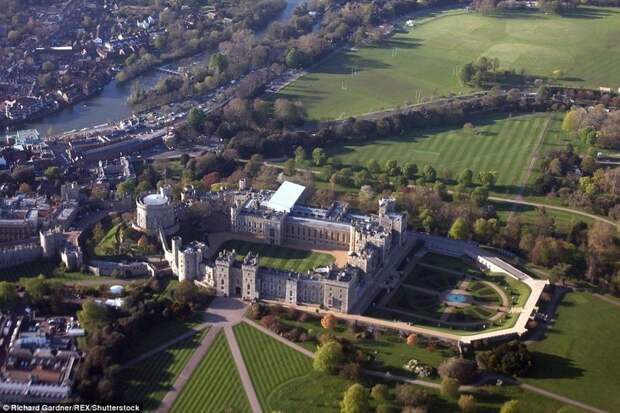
52	173
429	174
485	229
328	321
126	188
294	58
460	369
391	167
410	170
469	128
328	357
300	155
511	406
218	63
144	186
379	392
93	315
8	295
362	178
459	229
355	400
466	177
289	167
467	403
319	156
512	358
411	395
480	195
196	118
487	178
574	119
373	166
287	112
449	388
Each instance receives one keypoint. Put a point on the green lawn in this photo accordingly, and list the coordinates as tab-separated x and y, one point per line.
424	61
159	334
391	351
48	269
312	392
214	385
579	356
269	362
529	215
149	381
503	144
490	400
283	258
108	242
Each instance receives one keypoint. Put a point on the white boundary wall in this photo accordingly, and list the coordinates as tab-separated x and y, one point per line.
454	248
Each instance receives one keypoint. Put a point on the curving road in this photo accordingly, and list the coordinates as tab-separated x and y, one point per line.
554	207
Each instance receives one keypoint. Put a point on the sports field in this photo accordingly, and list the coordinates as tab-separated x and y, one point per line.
504	145
283	258
149	381
424	60
579	356
214	385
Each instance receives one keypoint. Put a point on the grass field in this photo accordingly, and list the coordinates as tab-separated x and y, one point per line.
161	333
279	257
391	351
504	145
148	382
214	385
579	356
529	214
269	362
46	268
423	61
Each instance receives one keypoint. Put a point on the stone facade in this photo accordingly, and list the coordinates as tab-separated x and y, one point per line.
369	239
187	263
155	210
330	287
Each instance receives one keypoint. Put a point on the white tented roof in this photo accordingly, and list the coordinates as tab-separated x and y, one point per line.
285	197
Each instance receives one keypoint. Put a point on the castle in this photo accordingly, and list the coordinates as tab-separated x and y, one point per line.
279	218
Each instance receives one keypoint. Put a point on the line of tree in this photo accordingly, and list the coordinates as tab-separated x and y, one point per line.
111	331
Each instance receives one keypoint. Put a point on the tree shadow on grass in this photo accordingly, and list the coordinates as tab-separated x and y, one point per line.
587	13
551	366
519	14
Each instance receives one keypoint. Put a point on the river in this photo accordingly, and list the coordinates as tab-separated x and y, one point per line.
110	104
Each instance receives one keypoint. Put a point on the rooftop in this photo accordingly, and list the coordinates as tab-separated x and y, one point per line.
154	199
285	198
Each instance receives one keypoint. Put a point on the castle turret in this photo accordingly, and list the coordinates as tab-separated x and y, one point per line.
249	273
48	243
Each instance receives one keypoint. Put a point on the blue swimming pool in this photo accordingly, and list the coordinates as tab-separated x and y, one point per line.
456	298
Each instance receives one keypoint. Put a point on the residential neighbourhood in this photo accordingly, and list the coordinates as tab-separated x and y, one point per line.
309	206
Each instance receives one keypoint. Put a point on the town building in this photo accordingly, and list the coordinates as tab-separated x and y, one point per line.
40	359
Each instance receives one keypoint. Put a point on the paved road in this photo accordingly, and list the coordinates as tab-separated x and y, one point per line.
187	371
560	398
242	369
608	300
393	377
557	208
222	313
164	346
